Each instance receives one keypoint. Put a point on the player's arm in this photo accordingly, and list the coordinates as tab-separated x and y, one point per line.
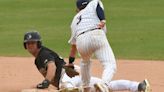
101	16
51	69
72	53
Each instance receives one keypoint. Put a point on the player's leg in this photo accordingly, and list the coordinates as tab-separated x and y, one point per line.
132	86
77	82
121	85
70	84
107	59
83	47
66	82
85	72
93	81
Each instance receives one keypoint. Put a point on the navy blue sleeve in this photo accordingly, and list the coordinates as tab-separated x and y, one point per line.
100	12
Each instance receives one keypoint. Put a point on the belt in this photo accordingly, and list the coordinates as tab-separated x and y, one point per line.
87	31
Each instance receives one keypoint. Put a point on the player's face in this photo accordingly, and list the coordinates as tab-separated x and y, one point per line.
32	47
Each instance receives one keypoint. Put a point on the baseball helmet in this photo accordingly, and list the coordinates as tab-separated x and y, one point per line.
81	4
32	36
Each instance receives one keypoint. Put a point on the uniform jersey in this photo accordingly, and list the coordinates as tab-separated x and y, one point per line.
46	56
85	20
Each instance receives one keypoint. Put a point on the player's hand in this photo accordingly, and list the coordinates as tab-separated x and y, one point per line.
101	24
44	84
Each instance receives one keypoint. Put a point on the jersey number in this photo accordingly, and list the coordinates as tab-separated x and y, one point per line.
79	19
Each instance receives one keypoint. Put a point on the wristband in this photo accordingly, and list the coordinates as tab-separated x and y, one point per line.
71	60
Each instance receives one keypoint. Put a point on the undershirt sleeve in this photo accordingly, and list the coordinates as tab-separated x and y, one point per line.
100	12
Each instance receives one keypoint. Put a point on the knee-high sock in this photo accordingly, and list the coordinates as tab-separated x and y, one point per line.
85	73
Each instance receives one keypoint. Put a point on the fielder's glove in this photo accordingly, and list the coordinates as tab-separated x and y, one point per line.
44	84
70	71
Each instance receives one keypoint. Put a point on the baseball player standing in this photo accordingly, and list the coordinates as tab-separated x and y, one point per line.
88	37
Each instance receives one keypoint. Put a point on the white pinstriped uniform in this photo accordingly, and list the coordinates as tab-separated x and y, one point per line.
92	42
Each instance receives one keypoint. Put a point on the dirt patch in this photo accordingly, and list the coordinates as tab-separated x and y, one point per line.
17	73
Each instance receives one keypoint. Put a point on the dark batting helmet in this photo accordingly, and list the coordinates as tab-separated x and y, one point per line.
81	4
32	36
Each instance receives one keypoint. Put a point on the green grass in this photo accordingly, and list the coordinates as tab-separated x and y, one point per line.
135	27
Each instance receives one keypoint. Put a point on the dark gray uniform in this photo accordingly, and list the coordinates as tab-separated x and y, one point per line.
44	57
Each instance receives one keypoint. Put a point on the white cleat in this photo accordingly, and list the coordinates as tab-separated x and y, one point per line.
99	87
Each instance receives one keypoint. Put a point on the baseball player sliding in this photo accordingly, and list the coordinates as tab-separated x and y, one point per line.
48	62
116	85
88	38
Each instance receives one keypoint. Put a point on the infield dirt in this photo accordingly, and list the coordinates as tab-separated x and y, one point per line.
17	73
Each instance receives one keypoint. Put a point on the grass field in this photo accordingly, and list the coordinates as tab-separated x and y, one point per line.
135	27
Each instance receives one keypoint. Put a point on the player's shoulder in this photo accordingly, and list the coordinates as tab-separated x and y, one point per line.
46	52
92	4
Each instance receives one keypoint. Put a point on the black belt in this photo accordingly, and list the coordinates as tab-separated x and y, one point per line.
87	31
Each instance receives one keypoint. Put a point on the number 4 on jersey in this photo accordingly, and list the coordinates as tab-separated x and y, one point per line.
79	18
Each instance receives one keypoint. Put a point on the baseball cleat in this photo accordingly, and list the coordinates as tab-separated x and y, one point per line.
144	86
99	87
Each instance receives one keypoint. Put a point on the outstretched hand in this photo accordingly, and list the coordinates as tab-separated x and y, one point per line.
44	84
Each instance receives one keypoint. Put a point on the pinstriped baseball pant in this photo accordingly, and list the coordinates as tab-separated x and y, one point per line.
95	42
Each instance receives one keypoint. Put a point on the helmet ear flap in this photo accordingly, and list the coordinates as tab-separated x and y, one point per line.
24	45
39	44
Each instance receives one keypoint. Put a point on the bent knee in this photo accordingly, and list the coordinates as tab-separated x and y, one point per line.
110	66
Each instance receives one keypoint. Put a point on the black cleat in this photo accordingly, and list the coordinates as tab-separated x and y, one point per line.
144	86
